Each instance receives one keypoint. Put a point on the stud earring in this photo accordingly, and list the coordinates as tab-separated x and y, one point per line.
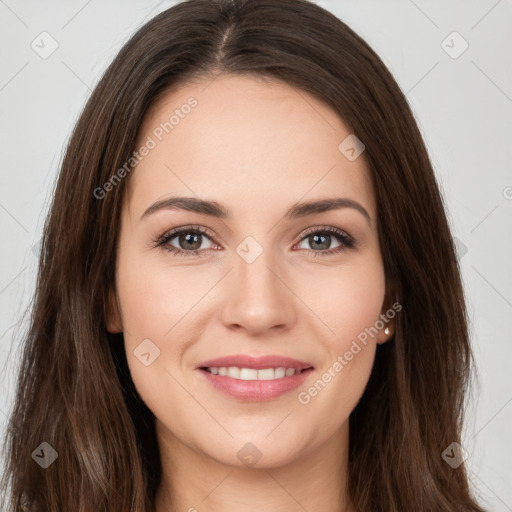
386	331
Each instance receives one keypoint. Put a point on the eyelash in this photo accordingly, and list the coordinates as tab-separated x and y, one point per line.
347	241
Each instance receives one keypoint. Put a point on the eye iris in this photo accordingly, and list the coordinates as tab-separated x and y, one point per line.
315	239
189	238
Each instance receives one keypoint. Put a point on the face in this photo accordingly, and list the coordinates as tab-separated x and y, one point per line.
251	272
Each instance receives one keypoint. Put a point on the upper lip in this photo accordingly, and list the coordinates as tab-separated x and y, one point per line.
257	363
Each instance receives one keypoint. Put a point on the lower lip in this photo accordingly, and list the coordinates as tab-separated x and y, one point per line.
255	390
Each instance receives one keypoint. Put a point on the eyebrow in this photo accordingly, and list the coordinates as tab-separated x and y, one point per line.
215	209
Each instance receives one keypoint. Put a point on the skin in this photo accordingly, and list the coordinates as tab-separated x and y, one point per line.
257	147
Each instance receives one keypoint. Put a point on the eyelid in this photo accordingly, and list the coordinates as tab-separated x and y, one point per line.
327	229
212	235
166	237
190	227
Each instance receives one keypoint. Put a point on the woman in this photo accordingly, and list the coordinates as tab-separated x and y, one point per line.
248	294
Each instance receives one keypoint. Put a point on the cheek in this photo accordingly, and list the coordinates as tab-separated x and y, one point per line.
155	298
346	299
350	306
159	304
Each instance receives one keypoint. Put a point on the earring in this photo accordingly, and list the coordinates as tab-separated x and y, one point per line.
386	331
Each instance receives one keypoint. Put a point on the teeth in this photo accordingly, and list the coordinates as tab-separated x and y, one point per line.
252	374
279	373
233	372
248	374
267	374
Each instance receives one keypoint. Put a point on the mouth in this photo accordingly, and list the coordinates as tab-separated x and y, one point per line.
252	379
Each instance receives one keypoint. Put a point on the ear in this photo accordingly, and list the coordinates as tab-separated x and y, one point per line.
112	314
387	319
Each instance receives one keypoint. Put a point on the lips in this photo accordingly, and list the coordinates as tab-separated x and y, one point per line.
229	380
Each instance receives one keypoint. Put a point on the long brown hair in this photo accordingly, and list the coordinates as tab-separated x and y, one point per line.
75	391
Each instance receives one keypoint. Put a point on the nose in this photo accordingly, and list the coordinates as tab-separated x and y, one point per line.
257	297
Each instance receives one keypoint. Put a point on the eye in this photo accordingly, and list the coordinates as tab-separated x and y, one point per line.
187	241
320	240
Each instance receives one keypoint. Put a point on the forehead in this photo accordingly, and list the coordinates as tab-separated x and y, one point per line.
247	141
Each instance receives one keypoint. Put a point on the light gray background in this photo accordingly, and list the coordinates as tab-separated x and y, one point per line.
463	106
